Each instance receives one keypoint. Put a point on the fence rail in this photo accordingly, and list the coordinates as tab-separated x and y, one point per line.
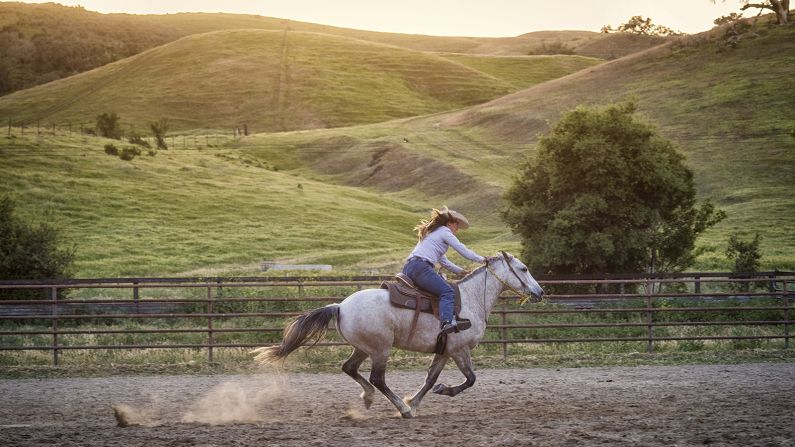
39	129
227	312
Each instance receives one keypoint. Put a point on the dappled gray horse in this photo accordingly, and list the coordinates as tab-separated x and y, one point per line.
373	327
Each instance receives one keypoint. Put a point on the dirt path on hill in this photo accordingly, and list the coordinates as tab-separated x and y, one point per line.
748	405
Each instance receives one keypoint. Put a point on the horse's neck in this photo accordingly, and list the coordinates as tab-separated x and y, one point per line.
480	292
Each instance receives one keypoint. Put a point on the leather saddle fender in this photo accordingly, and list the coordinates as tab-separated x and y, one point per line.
403	293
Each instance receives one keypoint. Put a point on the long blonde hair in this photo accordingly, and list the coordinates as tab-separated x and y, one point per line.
438	219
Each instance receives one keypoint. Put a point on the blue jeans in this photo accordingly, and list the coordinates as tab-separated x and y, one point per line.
424	276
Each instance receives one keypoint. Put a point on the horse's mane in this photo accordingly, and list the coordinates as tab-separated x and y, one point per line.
475	272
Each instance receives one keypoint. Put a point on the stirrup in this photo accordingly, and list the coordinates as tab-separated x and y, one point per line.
448	327
463	324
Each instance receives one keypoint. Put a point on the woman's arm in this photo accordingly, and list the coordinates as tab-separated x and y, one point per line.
449	265
453	241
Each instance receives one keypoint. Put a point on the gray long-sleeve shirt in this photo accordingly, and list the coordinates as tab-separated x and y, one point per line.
434	247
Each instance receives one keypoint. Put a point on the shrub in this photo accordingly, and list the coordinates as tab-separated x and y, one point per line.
129	152
159	129
110	149
746	257
138	140
108	125
30	250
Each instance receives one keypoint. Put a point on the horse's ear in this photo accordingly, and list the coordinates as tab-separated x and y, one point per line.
506	256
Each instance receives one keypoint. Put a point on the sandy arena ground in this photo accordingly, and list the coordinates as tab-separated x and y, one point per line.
744	405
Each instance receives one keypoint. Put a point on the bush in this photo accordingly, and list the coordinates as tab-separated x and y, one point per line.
110	149
138	140
108	125
129	152
30	250
746	257
159	129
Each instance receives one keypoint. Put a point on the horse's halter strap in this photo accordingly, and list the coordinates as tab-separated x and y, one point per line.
523	297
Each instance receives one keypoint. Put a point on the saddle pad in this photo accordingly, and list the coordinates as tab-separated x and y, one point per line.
403	296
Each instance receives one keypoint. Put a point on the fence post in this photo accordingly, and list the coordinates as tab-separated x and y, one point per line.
504	334
649	317
786	314
697	287
210	324
136	297
54	298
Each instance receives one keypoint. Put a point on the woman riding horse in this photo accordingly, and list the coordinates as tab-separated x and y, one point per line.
435	237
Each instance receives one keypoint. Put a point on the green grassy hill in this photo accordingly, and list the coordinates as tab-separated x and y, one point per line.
349	195
584	43
192	211
277	81
729	112
38	42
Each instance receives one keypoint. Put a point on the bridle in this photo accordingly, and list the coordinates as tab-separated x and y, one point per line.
523	297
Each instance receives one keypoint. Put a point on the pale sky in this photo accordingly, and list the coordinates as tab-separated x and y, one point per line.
488	18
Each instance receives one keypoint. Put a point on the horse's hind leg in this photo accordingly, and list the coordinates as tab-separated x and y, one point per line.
433	374
464	361
377	378
351	368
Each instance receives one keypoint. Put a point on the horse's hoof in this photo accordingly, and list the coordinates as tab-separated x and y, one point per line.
439	388
368	400
408	415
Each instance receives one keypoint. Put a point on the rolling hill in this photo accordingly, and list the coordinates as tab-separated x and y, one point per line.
39	42
729	112
349	195
276	81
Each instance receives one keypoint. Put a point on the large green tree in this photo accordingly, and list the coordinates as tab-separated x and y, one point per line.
606	193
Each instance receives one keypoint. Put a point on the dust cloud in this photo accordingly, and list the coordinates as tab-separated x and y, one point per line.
227	403
230	403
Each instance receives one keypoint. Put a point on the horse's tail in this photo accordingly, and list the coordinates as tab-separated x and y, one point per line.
311	325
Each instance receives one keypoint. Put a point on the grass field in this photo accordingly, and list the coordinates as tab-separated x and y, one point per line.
349	196
274	81
728	112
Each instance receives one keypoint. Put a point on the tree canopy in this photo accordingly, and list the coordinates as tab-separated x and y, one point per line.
779	7
642	26
606	193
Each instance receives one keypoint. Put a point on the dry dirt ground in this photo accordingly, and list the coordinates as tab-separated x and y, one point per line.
744	405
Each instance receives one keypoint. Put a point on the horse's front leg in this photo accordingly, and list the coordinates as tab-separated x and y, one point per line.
378	379
463	359
433	374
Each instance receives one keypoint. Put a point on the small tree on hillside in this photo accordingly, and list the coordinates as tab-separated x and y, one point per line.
108	125
605	193
30	250
639	25
779	7
159	130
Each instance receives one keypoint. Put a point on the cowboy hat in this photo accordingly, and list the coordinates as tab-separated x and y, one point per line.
463	223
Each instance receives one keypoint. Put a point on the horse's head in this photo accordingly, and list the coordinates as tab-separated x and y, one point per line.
515	276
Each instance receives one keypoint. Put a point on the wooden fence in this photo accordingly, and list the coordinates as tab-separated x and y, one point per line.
222	312
175	141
